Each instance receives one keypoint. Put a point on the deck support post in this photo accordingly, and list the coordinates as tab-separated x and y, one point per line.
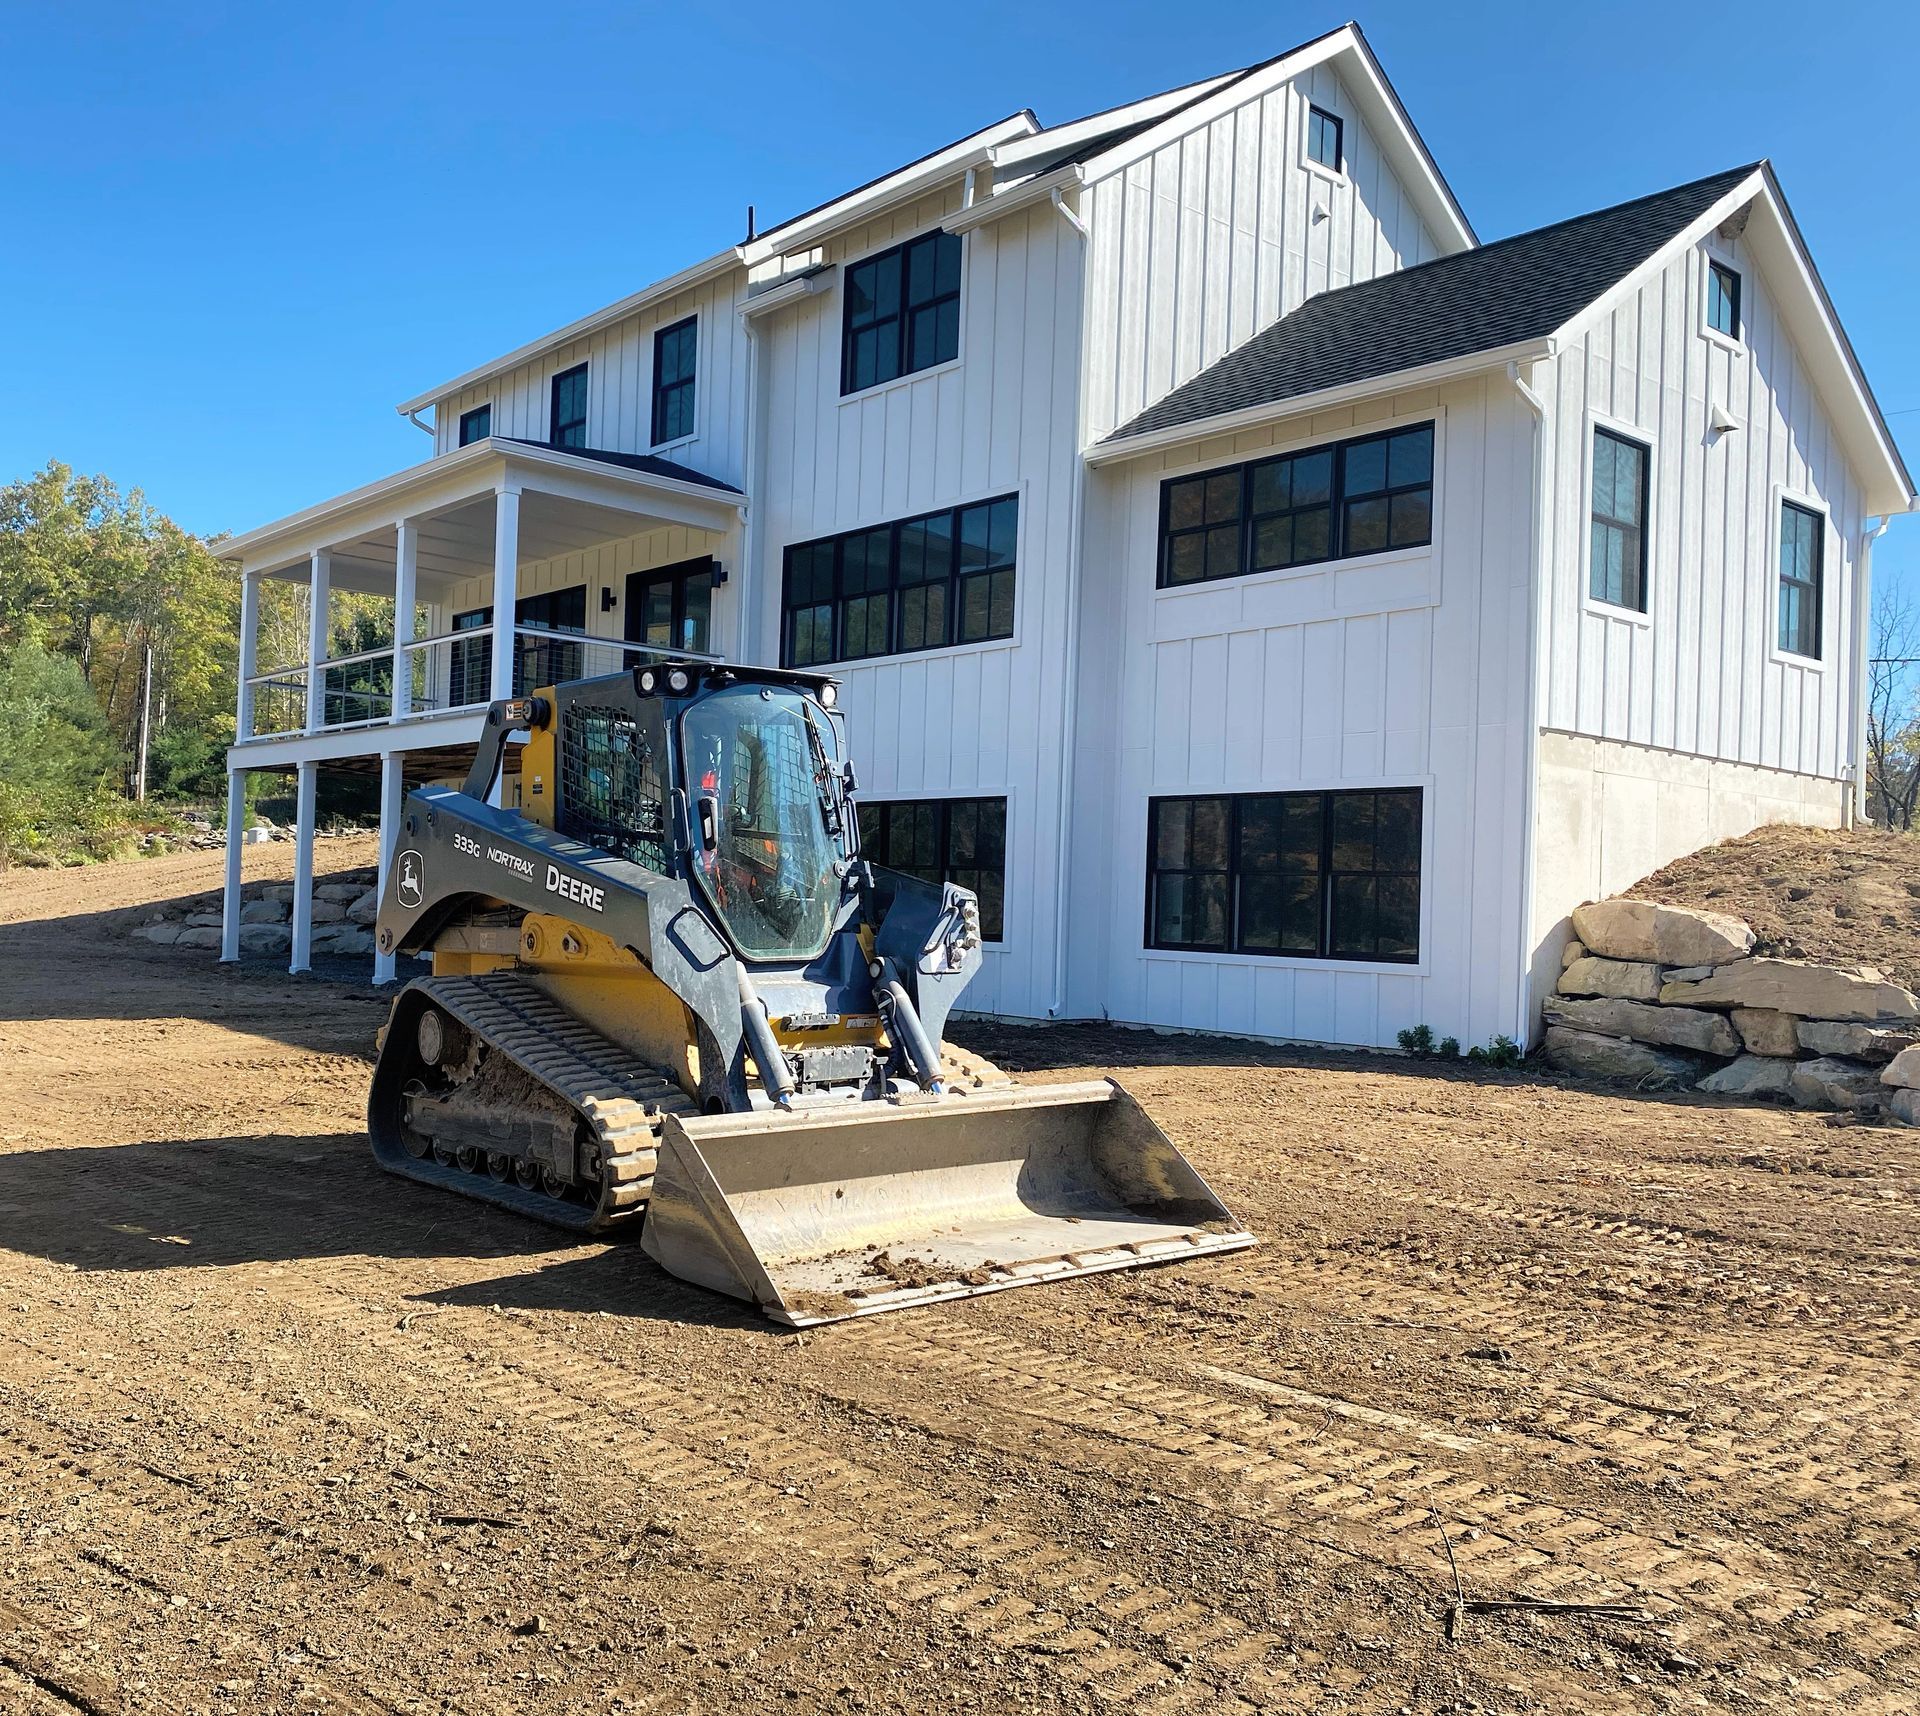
305	807
236	840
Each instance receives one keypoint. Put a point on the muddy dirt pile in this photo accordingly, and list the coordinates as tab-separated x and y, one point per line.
278	1433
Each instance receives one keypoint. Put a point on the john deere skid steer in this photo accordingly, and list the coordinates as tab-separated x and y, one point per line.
668	992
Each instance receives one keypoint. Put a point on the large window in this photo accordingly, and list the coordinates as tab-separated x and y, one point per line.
536	661
1310	875
1324	503
960	840
476	425
671	607
1618	560
902	312
568	422
1802	550
1723	300
943	578
673	378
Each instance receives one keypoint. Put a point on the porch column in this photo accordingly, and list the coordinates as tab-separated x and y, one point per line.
320	586
249	653
393	804
406	554
506	586
236	837
309	778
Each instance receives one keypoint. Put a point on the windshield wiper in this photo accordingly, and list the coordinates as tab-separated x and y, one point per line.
823	775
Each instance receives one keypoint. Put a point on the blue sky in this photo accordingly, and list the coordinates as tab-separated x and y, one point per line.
237	235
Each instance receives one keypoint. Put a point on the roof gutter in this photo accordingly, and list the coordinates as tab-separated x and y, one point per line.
1113	451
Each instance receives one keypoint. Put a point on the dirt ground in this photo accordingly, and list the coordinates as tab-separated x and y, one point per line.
1810	893
279	1433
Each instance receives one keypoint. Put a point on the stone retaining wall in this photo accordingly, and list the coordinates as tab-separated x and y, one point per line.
344	907
1665	998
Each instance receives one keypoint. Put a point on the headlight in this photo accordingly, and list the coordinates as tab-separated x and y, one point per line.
829	696
679	681
646	682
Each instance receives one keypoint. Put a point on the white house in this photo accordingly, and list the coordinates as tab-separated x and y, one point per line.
1281	607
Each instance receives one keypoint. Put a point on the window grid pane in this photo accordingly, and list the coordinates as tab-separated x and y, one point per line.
1618	536
924	583
1311	875
1723	300
958	840
1802	550
568	424
476	425
901	312
674	363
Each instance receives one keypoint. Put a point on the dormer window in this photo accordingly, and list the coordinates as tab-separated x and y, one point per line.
1723	300
568	423
476	425
1324	141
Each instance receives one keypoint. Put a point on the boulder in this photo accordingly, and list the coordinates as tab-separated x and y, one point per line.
1903	1070
344	892
1751	1075
1766	1032
263	912
364	909
204	920
1624	980
329	912
1855	1042
1830	1082
1675	1027
198	935
265	938
1665	935
165	934
1591	1055
281	891
1799	987
344	938
1904	1105
1572	951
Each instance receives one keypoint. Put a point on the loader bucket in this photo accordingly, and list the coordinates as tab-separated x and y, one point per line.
840	1212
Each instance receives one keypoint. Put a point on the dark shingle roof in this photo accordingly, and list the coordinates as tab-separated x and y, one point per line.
629	461
1514	289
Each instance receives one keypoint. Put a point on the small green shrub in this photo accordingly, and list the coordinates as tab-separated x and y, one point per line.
1417	1040
1501	1053
1449	1049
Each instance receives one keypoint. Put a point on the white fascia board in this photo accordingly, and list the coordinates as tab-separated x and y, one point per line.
1022	195
1077	131
810	230
1382	111
1305	404
1809	315
452	479
701	272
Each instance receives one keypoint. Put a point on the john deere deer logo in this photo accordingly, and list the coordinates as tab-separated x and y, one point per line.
408	887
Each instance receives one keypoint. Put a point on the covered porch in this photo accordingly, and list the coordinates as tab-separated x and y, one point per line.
502	566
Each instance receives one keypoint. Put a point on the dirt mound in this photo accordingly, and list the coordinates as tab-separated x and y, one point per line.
1839	897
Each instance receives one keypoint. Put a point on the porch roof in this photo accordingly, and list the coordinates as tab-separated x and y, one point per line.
571	498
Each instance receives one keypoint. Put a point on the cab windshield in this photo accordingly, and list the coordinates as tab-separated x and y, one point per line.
763	784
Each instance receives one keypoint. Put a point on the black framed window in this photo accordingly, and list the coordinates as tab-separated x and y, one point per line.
1723	299
1362	496
1324	140
536	661
567	423
477	424
671	607
1311	875
902	311
1617	572
922	583
1802	564
960	840
674	360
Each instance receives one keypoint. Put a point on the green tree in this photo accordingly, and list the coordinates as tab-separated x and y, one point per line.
53	736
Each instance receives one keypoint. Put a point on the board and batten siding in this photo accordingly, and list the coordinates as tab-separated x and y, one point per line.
1220	232
620	385
1700	672
972	719
1400	669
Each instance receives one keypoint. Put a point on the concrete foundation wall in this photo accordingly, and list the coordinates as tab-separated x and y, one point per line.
1609	813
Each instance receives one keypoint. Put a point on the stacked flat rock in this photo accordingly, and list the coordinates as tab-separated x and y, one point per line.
1669	998
344	908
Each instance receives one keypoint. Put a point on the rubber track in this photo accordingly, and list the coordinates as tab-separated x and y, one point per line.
617	1094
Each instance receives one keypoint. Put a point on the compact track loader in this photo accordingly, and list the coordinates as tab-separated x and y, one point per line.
668	992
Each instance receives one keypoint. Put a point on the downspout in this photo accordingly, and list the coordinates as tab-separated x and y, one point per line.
1530	771
1070	692
1862	615
748	584
413	417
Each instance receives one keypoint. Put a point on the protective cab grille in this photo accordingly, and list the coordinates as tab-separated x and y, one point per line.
611	792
